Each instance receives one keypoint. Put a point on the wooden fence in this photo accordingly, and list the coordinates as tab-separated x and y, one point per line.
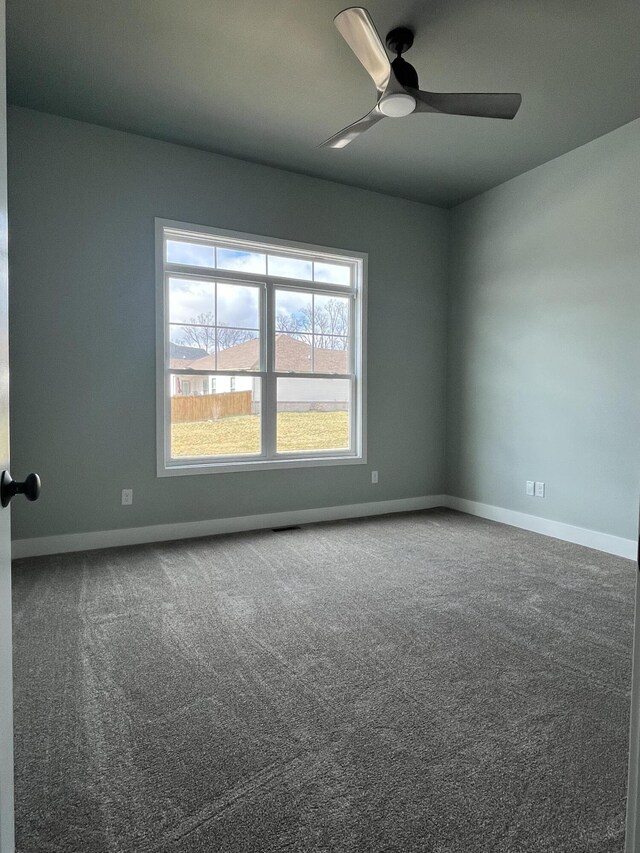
210	407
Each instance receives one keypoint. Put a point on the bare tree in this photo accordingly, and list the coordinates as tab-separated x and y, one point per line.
337	311
232	337
327	322
287	323
293	325
201	333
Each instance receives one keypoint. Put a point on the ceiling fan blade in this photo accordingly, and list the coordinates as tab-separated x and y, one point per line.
357	29
348	134
491	105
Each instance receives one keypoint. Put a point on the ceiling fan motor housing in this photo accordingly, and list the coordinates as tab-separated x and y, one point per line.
405	73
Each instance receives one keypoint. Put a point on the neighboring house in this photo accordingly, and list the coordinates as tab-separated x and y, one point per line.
292	356
181	357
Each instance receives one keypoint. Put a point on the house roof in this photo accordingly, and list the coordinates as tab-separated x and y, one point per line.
179	351
295	356
181	356
292	356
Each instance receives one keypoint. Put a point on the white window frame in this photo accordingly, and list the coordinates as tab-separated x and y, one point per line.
168	467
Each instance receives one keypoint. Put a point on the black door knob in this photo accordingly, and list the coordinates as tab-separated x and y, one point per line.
10	487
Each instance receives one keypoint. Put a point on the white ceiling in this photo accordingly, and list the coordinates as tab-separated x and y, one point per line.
268	81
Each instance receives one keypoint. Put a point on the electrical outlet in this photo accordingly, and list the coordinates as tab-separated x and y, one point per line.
530	488
539	490
127	497
374	477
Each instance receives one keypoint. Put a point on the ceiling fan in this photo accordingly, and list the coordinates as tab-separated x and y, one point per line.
397	82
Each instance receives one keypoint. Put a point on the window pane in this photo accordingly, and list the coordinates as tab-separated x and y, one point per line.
331	273
236	259
238	305
194	254
293	311
293	354
192	344
313	414
191	301
331	315
290	267
293	331
238	349
209	419
331	355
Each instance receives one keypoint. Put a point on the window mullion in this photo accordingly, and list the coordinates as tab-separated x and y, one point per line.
315	375
352	336
269	383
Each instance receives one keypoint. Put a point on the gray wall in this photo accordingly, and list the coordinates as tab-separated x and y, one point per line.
543	333
544	339
82	200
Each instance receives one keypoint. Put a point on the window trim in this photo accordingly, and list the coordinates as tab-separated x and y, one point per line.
295	459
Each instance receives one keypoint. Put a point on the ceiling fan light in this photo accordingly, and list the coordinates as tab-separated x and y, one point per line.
397	104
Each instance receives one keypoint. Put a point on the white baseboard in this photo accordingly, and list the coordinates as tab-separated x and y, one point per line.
189	529
556	529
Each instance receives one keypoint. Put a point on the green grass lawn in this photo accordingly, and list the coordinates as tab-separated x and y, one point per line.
231	436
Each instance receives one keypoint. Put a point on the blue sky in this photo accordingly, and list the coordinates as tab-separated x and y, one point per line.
238	305
200	255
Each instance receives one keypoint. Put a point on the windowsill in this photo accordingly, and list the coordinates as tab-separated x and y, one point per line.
187	469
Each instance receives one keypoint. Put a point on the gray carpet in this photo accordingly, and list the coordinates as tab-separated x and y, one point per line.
422	682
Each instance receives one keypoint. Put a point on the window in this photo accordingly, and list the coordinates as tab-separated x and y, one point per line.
281	325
